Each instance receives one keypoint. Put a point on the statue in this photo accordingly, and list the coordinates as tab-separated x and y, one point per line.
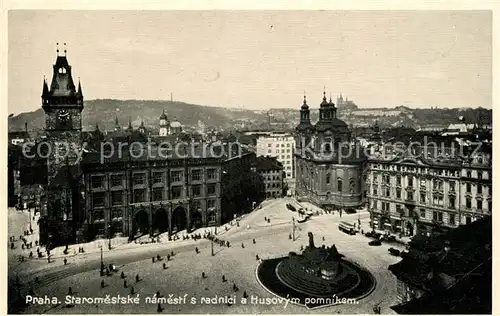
334	253
311	240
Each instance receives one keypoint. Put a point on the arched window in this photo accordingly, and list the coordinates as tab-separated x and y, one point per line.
339	185
327	144
327	178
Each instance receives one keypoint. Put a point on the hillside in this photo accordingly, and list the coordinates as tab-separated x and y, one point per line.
104	111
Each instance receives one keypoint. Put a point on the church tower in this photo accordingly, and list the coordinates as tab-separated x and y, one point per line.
63	106
164	124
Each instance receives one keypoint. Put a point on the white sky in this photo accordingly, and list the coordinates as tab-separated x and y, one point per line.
229	58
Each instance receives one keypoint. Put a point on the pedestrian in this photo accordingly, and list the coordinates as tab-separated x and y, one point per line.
70	291
122	275
168	257
125	283
65	261
158	257
31	254
159	309
37	280
164	266
158	294
242	245
234	287
245	295
102	284
323	238
197	251
22	246
137	278
253	240
153	259
12	245
132	291
289	236
172	253
223	278
203	274
48	259
257	257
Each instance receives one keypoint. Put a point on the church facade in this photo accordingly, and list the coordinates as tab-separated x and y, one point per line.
329	165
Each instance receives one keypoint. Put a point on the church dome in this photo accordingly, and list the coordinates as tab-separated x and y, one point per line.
333	123
175	124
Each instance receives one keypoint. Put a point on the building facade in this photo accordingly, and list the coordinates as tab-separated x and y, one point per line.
152	195
281	146
329	165
415	189
272	174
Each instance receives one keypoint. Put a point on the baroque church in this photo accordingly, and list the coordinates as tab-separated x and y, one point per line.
329	163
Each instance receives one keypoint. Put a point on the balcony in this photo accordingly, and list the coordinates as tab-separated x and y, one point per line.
410	201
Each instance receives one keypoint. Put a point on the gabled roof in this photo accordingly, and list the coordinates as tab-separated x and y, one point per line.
265	163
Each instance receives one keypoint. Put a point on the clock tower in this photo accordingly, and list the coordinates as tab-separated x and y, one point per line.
62	103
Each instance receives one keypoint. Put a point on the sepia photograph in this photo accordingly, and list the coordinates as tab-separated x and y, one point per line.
216	161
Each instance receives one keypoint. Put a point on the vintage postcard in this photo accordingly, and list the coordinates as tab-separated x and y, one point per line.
216	161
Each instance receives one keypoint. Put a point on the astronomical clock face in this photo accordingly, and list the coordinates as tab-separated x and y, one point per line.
63	118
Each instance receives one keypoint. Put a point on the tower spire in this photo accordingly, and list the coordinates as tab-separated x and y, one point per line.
80	92
45	89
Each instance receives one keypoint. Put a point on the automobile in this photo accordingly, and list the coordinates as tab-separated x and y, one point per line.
370	234
394	251
375	243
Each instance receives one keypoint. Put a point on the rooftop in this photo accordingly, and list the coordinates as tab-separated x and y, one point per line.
442	264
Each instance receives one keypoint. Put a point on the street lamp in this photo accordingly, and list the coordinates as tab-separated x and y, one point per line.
293	231
102	263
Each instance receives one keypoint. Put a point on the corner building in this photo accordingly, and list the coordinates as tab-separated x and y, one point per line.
329	166
420	189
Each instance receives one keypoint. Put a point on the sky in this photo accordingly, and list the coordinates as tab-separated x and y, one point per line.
257	59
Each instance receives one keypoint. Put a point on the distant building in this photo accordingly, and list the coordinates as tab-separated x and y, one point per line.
271	171
19	137
168	128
